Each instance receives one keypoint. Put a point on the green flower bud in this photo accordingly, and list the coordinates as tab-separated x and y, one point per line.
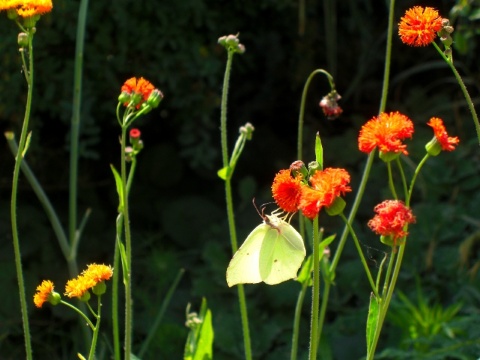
85	297
54	298
100	288
337	207
298	167
12	14
124	98
156	96
433	147
388	156
22	39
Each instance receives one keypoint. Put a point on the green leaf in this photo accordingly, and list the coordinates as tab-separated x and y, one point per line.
223	173
372	321
119	185
305	272
200	339
319	150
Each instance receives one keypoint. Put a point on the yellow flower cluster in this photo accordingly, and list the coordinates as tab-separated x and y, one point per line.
88	279
27	8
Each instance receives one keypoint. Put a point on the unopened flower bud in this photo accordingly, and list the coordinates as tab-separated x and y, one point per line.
337	207
156	96
12	14
22	39
124	98
85	297
247	129
388	156
231	43
298	168
54	298
433	147
329	105
100	288
313	167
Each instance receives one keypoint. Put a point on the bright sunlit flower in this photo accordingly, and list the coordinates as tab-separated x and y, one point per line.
93	275
286	190
446	142
419	26
27	8
44	290
136	90
386	132
326	187
98	273
391	218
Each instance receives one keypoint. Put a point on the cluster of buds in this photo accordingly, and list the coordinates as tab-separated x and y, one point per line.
445	37
329	105
136	144
232	43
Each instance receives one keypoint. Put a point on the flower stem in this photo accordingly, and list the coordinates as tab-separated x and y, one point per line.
296	320
75	126
388	57
464	90
360	253
22	147
81	313
315	293
229	202
128	246
91	355
302	107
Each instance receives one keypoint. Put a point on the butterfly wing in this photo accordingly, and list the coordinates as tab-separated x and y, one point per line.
244	266
282	253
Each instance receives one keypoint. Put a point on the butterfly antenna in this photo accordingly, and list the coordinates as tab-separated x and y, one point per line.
262	213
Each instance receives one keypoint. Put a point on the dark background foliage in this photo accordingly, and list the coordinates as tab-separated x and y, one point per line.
178	209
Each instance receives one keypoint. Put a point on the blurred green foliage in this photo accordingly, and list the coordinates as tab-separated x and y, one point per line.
177	204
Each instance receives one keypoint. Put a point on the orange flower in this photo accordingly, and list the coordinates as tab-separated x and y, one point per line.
98	273
44	290
88	279
419	26
326	187
385	132
27	8
140	87
79	286
446	142
286	190
391	218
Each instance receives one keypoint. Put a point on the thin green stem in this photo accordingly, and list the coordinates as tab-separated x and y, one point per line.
414	178
402	175
75	126
464	90
128	246
302	107
96	330
116	263
13	204
314	338
388	57
353	211
360	253
296	320
229	203
81	313
391	184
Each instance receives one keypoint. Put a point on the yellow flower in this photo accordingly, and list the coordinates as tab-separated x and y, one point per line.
27	8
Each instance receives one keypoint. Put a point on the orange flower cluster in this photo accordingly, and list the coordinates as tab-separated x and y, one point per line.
88	279
27	8
44	290
419	26
446	142
292	194
386	132
391	218
138	91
